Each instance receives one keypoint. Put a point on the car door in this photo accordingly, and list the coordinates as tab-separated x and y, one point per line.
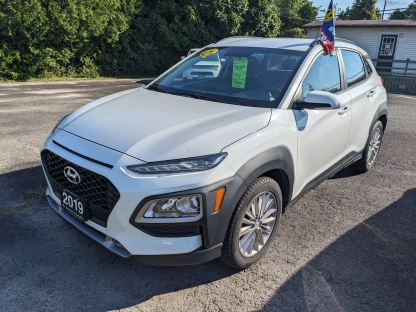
322	133
364	87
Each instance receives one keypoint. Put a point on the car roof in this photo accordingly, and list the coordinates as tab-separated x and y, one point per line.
298	44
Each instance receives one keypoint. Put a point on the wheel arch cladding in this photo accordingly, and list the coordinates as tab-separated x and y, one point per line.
282	179
276	163
383	119
382	114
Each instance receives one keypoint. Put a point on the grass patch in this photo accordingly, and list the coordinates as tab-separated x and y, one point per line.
37	192
29	199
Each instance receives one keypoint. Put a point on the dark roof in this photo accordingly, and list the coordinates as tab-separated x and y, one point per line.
367	23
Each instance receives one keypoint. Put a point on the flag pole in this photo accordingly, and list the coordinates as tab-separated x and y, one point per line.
327	31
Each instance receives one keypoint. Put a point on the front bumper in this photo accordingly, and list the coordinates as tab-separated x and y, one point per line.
197	256
129	241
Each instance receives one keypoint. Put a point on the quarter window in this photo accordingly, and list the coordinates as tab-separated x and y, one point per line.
323	76
354	67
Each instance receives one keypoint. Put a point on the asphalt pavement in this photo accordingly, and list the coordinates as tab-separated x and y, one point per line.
348	245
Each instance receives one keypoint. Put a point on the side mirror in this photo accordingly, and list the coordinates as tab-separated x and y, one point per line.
222	60
318	100
182	58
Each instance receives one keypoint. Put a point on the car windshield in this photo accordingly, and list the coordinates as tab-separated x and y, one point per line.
249	76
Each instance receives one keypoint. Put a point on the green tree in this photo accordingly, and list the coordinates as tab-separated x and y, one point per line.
398	15
41	38
361	10
261	19
294	14
409	13
88	38
163	30
344	14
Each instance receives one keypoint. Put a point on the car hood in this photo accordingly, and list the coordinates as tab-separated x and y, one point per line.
154	126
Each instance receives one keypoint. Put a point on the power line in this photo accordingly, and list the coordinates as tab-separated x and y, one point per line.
321	17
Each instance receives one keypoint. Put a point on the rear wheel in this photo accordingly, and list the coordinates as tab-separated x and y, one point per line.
372	149
253	225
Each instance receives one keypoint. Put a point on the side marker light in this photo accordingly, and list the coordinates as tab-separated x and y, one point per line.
218	198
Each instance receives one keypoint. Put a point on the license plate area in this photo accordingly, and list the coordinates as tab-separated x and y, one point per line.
74	204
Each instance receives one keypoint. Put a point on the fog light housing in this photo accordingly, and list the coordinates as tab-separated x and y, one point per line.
174	207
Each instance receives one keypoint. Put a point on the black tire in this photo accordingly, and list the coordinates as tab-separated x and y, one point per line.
364	165
231	253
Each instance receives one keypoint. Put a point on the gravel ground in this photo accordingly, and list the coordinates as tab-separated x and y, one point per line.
348	245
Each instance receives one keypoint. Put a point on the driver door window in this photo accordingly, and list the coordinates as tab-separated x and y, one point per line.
324	75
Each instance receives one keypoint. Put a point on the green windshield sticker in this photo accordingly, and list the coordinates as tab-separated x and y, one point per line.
239	72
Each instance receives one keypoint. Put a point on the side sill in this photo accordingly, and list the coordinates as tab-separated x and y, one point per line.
344	163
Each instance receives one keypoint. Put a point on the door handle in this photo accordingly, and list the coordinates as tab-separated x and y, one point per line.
371	93
344	109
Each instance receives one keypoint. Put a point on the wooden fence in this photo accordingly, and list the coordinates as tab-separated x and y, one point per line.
397	78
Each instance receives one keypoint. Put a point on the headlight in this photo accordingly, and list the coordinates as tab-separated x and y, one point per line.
56	126
175	207
180	165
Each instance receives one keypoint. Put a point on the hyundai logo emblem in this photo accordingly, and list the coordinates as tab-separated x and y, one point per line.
72	175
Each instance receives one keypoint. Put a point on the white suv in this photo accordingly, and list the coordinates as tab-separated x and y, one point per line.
207	67
186	171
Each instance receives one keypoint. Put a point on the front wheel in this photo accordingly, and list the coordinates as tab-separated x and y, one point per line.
372	149
253	225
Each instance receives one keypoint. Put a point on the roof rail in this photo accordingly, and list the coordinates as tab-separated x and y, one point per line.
318	40
237	37
314	43
344	40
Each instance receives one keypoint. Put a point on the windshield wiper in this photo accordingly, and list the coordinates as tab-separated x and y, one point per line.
202	97
190	94
157	88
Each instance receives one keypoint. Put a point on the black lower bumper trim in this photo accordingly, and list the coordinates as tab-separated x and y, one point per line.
198	256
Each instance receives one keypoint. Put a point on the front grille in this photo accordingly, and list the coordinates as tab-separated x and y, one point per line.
99	193
170	230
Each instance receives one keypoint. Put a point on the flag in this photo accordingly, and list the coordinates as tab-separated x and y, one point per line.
327	35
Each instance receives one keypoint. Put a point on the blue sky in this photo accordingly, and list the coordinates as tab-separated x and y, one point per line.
342	4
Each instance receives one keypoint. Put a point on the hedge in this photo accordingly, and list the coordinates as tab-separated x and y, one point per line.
91	38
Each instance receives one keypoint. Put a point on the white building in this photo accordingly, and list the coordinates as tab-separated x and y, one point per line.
382	39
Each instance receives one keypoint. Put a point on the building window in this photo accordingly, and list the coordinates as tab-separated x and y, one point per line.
387	46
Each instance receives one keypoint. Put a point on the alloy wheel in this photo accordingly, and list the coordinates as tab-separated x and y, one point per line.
258	224
374	146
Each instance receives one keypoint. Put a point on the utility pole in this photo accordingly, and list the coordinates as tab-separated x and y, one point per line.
390	3
384	9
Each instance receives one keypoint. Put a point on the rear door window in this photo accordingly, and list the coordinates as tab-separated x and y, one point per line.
354	67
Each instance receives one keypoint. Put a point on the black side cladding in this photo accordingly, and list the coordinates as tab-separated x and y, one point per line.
275	158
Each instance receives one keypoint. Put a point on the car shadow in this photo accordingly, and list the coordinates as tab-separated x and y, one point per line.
14	185
370	268
42	257
346	173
